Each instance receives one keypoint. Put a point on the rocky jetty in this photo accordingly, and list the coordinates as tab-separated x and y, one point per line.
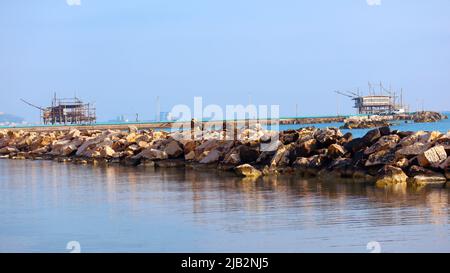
427	116
382	156
366	122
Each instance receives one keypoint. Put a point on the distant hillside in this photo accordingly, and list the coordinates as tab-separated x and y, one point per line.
10	118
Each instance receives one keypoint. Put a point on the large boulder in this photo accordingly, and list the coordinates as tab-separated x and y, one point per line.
432	157
385	131
417	170
288	137
93	141
107	152
73	133
189	146
412	150
40	151
430	178
355	145
151	154
68	149
211	157
8	150
232	158
410	138
306	148
132	129
430	137
327	136
317	161
371	136
335	150
384	143
189	156
247	170
391	175
173	149
4	142
203	149
247	154
301	163
383	157
283	156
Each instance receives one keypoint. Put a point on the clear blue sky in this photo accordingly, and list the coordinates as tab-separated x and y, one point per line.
122	54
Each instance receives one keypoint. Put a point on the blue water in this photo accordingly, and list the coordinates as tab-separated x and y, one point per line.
45	204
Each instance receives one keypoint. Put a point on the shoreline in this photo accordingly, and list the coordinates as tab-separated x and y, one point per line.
381	156
206	124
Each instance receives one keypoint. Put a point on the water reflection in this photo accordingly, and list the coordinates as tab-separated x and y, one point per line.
123	200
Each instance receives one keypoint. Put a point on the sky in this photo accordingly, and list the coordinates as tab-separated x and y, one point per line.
121	55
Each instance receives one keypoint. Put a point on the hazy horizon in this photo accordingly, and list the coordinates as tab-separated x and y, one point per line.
122	55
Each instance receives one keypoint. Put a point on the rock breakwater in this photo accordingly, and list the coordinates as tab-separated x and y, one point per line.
382	156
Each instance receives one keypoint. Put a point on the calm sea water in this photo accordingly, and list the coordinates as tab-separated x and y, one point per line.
45	204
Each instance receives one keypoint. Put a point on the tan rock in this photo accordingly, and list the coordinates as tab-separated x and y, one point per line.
430	137
402	163
107	151
391	175
248	170
132	129
133	148
282	156
427	179
410	140
4	142
412	150
153	154
59	145
73	133
131	138
8	150
173	149
40	151
158	135
68	149
211	157
145	138
432	157
232	158
336	150
305	148
143	144
92	141
382	157
190	156
189	146
384	143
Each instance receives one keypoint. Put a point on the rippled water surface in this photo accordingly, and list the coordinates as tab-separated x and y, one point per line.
45	204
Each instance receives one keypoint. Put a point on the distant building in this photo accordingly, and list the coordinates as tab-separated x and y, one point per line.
67	111
374	105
